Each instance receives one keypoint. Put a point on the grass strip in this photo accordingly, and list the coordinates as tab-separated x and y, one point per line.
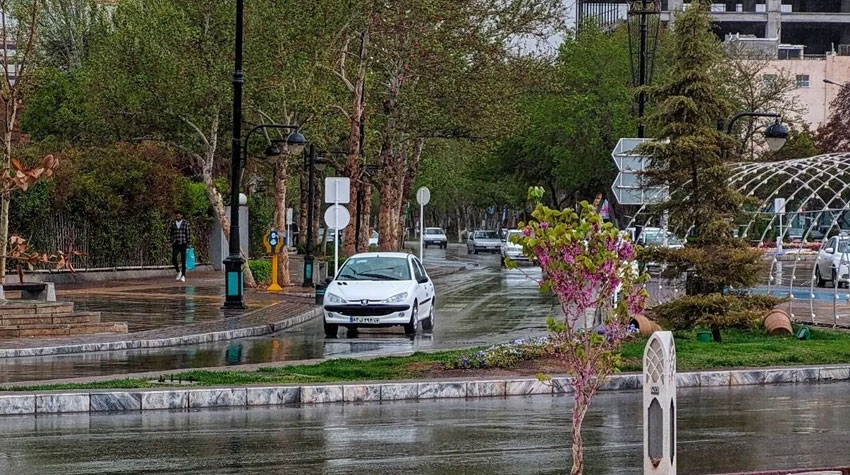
738	349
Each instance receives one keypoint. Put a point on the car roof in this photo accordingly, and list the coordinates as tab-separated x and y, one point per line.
382	254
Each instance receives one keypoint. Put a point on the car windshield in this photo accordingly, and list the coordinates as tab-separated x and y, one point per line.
511	234
433	231
844	246
375	268
486	235
657	238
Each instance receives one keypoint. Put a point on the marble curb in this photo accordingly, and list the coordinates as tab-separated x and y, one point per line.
198	338
199	397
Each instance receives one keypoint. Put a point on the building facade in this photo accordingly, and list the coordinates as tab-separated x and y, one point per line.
821	25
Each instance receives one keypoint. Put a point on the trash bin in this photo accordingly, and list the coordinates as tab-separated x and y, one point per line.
320	293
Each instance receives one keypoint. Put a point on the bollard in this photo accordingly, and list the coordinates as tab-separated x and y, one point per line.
320	293
659	405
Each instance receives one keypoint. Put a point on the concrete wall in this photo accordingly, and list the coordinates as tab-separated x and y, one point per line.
819	94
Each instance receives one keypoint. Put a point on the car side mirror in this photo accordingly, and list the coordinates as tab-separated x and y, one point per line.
423	280
830	251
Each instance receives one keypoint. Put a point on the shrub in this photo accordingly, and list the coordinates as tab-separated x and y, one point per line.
714	311
262	270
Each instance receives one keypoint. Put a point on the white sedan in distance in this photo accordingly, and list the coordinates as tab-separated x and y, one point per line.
380	289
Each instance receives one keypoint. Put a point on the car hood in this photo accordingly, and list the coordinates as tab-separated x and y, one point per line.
369	289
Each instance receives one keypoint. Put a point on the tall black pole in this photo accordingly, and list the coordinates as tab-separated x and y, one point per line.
642	69
308	256
234	299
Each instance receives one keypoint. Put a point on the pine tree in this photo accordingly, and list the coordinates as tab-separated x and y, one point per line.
691	158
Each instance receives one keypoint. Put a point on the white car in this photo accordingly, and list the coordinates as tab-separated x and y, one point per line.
833	264
435	237
380	289
511	250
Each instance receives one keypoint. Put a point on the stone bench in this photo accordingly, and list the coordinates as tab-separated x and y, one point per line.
40	291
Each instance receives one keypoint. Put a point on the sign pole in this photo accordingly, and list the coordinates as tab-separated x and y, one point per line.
336	230
274	286
421	232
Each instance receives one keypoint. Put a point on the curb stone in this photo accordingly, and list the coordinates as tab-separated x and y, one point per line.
195	339
185	399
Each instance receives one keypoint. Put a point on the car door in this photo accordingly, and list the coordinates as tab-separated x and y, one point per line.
825	258
424	289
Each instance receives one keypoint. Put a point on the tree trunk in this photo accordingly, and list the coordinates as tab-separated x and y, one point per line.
216	201
355	131
10	116
365	218
580	405
280	220
391	185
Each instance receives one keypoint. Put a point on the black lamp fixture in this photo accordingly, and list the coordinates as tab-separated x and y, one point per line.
776	135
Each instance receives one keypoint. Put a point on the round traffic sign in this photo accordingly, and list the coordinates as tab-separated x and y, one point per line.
423	195
337	212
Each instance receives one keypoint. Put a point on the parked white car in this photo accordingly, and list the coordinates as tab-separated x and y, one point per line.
833	264
511	250
380	289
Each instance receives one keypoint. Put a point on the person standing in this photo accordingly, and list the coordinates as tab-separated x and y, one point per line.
179	234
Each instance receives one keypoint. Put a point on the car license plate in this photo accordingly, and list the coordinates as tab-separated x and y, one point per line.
364	320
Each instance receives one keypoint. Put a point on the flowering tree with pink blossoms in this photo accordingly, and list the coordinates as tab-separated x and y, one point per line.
589	266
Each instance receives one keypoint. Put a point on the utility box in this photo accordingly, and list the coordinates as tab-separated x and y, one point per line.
659	405
219	248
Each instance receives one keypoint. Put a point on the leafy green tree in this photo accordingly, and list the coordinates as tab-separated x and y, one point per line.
570	130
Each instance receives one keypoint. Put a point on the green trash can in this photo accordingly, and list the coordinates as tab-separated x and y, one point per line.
320	293
704	336
804	334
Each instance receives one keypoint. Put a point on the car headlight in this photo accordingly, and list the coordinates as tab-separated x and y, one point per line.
331	298
397	298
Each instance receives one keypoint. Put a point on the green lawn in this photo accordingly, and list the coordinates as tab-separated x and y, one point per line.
738	349
749	349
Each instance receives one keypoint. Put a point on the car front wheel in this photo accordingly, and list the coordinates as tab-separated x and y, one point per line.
820	282
410	328
331	330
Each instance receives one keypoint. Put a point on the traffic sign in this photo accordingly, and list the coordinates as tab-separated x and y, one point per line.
337	217
423	195
272	241
288	216
337	190
627	187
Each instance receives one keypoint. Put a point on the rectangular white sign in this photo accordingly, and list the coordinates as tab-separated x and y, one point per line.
337	190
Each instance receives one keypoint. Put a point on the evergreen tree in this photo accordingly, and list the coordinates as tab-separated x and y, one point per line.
691	158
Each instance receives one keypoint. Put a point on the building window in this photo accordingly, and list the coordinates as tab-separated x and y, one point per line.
768	80
803	81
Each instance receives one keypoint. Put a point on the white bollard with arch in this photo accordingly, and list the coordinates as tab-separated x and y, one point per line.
659	405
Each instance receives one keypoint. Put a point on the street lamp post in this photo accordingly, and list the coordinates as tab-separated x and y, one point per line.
311	162
234	278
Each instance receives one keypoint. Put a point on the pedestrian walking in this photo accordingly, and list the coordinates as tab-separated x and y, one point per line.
178	234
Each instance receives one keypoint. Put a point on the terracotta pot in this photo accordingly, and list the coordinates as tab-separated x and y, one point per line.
778	322
645	326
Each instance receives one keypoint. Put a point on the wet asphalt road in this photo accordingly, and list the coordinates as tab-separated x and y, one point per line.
480	306
720	430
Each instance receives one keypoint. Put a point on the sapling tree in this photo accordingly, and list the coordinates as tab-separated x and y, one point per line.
589	266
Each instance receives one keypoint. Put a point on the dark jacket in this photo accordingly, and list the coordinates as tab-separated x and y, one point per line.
179	235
